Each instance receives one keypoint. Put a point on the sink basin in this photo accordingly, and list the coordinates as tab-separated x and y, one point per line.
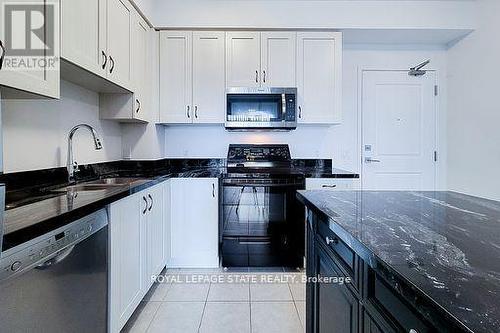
100	184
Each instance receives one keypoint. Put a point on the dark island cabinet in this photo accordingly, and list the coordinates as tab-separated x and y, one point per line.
345	295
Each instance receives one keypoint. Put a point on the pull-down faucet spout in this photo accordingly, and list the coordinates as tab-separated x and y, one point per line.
71	165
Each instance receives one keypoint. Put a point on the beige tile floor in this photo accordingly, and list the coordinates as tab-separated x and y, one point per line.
218	307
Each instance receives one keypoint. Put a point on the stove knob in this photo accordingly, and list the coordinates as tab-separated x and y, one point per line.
15	266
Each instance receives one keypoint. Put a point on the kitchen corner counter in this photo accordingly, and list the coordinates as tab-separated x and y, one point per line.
445	245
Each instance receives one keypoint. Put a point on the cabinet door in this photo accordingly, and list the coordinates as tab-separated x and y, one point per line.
175	77
243	59
167	220
337	308
119	39
319	79
127	253
155	226
83	34
195	219
19	71
278	53
208	77
141	63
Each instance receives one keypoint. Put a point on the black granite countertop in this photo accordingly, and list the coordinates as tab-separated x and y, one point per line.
32	208
445	244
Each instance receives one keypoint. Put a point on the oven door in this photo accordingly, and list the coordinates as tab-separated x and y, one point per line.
259	224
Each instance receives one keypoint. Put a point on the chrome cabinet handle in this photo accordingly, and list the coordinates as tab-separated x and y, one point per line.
105	60
300	112
187	112
412	331
213	190
138	106
2	57
150	198
371	160
256	76
331	241
329	186
196	111
264	77
112	61
146	207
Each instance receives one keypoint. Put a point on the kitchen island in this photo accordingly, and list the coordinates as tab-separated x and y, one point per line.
419	261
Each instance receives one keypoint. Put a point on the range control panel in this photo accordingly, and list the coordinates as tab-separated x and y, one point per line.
262	153
44	248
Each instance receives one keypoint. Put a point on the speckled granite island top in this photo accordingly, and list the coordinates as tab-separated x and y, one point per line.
446	244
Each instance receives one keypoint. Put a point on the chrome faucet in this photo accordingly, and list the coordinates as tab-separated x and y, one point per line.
71	165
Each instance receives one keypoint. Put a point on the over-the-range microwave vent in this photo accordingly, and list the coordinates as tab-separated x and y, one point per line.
261	109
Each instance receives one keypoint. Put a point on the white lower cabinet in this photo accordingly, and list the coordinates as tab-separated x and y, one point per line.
194	224
332	184
136	251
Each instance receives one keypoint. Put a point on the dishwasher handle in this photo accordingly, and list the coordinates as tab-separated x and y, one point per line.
56	259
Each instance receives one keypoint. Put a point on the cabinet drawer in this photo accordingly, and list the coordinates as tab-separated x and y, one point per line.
342	252
388	303
332	184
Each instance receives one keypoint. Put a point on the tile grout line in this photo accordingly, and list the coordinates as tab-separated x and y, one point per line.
204	307
295	306
250	305
154	316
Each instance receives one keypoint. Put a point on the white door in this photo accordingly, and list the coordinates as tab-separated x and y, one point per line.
39	80
175	77
120	18
194	223
208	77
319	77
84	43
399	131
278	54
156	232
243	59
140	67
127	253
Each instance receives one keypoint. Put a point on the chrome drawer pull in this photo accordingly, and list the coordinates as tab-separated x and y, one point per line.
331	241
329	186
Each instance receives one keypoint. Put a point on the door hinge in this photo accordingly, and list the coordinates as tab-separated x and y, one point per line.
436	90
435	156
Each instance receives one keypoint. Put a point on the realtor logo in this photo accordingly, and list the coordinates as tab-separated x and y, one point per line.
30	36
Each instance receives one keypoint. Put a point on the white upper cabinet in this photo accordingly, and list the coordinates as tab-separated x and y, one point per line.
319	77
278	52
97	36
175	77
260	59
208	77
119	26
42	81
84	44
243	59
192	81
141	68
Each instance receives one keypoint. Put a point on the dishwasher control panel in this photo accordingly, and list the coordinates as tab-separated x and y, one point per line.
36	253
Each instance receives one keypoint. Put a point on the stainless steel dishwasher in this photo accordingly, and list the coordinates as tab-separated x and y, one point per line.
57	282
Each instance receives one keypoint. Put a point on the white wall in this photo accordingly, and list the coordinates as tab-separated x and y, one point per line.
35	131
474	108
338	142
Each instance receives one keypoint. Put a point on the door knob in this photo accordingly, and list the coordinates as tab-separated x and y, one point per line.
371	160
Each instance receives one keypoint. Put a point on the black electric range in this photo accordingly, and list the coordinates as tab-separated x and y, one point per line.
262	221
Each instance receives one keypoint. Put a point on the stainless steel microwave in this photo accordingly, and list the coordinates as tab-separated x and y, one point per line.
261	108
